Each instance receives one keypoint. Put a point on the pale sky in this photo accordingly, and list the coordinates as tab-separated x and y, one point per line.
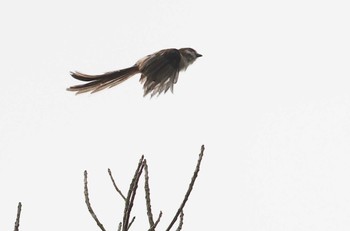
269	99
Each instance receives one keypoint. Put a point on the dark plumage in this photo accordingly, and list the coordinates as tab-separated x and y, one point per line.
159	72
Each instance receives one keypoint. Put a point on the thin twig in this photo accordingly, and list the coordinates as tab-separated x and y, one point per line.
156	223
131	194
87	201
195	174
115	185
131	222
131	201
148	198
19	209
181	221
120	226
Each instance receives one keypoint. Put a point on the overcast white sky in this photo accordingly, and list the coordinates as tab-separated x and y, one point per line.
269	99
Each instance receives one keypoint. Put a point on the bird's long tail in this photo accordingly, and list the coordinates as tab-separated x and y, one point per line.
100	82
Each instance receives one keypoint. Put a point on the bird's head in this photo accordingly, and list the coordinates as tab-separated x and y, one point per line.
188	56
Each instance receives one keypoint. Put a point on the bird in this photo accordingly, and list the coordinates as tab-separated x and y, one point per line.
159	72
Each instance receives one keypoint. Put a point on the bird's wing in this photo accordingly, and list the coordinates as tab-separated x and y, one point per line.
160	71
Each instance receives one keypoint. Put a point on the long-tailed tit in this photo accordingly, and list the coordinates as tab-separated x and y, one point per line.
159	72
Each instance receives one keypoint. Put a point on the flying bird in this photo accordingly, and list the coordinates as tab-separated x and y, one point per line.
159	72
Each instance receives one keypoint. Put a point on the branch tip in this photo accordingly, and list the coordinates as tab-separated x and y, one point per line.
87	202
189	190
19	209
115	185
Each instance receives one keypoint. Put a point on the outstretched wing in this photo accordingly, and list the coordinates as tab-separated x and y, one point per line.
160	71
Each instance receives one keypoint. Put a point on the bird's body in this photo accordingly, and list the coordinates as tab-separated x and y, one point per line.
159	72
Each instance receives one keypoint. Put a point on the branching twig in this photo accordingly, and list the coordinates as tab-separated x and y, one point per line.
157	221
87	201
181	221
19	209
189	189
131	222
148	198
129	200
131	194
115	185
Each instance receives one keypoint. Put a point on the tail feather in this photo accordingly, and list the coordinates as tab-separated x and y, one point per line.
100	82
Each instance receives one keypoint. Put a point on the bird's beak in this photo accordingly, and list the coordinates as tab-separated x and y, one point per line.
199	55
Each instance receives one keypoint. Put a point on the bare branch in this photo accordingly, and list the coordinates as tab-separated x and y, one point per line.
131	201
131	194
181	221
148	198
19	209
115	185
131	222
87	201
157	221
190	187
